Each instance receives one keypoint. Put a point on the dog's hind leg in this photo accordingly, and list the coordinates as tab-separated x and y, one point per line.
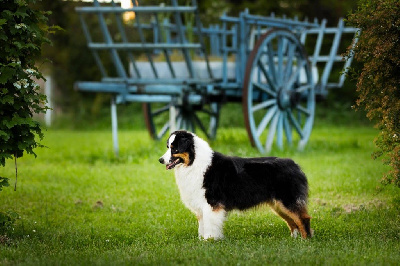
213	221
300	218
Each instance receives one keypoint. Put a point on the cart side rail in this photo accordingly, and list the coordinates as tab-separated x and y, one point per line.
249	28
128	45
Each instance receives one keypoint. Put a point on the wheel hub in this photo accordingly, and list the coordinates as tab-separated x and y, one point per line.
287	99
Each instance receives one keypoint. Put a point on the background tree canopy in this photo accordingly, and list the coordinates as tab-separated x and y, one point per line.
328	9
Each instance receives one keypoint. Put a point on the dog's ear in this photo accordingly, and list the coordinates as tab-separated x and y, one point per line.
185	145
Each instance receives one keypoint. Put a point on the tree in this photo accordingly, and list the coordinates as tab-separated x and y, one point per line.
23	30
378	83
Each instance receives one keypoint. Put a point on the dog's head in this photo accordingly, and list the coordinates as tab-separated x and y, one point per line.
181	150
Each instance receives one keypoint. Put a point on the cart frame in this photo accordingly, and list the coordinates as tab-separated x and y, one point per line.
262	62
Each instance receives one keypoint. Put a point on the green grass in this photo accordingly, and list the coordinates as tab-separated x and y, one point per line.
79	205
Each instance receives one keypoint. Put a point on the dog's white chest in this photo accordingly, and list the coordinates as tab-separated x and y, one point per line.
190	185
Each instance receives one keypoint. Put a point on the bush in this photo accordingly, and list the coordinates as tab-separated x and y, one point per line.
378	83
22	32
7	220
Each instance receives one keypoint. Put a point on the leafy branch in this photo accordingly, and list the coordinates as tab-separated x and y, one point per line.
23	31
378	83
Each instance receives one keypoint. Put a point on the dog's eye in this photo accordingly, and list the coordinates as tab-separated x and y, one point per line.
174	150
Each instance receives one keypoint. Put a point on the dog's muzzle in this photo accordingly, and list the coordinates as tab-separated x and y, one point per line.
172	162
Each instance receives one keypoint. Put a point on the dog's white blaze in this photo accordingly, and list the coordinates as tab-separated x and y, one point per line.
190	184
170	140
167	155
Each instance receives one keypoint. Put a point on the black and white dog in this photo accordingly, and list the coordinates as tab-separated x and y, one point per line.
211	184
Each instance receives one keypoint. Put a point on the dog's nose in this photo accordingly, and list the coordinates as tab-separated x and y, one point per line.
161	160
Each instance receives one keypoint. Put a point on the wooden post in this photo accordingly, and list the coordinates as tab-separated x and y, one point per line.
172	118
48	92
114	125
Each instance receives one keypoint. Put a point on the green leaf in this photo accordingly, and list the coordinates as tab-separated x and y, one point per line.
4	136
7	99
3	183
6	74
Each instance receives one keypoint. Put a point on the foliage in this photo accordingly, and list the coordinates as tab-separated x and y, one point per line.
331	10
22	33
3	183
7	220
379	81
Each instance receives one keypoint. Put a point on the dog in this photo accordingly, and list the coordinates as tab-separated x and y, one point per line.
212	184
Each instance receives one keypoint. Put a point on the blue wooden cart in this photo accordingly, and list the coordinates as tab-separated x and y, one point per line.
182	72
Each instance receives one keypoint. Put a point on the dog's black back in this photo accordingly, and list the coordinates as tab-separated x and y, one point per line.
241	183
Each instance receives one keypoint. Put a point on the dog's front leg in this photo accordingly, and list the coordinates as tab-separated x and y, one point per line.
213	221
201	225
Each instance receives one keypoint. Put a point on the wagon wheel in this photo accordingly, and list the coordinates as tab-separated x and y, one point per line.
190	117
278	91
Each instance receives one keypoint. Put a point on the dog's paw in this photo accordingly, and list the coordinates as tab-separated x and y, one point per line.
295	233
212	238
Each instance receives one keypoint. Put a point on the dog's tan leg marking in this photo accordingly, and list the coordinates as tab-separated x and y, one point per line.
289	221
305	219
218	208
301	219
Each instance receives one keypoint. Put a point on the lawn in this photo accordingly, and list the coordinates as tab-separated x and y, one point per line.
80	205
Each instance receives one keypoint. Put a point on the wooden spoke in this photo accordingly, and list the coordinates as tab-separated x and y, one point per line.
303	110
266	75
303	88
271	63
288	128
265	88
279	133
161	110
289	63
264	104
280	61
295	74
200	124
264	122
295	124
163	130
272	130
